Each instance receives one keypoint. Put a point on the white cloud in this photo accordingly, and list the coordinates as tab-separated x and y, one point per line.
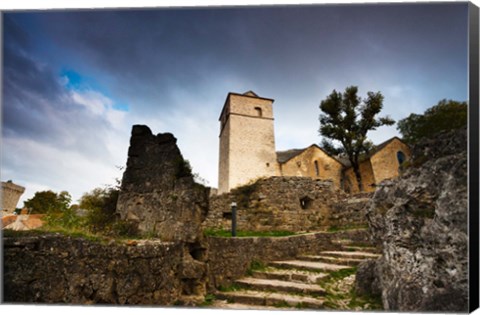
94	101
56	169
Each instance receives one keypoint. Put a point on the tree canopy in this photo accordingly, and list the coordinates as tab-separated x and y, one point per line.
48	202
446	115
347	119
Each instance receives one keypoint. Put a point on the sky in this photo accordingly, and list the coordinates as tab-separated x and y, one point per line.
75	81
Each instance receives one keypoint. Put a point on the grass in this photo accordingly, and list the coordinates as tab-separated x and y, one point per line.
75	233
338	275
209	299
228	233
281	304
301	305
337	298
230	288
44	231
256	265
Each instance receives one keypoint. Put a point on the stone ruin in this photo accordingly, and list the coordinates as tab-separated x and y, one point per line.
159	195
158	192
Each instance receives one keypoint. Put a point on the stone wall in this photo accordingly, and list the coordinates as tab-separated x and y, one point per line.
288	204
60	269
230	258
10	195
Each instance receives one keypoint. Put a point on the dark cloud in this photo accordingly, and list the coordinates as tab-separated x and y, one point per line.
172	68
35	104
147	53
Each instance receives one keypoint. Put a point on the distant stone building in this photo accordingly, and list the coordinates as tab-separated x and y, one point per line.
11	193
247	151
312	162
381	163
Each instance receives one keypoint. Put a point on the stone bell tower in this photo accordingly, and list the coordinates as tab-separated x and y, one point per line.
247	144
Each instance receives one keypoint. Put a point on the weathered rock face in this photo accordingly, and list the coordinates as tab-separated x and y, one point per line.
158	191
421	220
289	204
60	269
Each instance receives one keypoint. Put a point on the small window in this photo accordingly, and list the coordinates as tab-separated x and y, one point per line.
259	111
317	169
268	164
400	157
306	202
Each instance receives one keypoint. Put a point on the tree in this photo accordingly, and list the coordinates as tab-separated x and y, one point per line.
347	119
446	115
48	202
101	204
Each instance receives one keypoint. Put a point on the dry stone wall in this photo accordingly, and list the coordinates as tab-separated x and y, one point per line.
287	204
60	269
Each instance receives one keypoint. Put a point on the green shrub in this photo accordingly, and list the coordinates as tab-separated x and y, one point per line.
182	168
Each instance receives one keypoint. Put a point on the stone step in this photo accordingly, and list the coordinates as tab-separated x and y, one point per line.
347	242
279	286
290	275
342	254
307	265
333	260
367	249
262	298
223	304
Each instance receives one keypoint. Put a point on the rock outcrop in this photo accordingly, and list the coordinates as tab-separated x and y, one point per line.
420	219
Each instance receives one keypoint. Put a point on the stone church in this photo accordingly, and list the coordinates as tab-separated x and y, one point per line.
247	151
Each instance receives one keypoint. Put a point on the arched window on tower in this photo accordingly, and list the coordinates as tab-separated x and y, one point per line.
317	169
259	111
400	157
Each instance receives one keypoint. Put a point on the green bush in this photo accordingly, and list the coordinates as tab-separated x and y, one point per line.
182	168
101	204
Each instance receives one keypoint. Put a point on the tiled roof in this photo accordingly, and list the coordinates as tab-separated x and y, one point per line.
22	221
284	156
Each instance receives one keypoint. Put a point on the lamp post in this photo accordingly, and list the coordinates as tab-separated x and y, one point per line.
234	218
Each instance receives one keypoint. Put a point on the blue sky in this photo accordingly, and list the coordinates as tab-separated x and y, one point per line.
74	82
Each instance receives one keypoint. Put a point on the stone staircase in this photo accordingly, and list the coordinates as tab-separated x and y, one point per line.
295	283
